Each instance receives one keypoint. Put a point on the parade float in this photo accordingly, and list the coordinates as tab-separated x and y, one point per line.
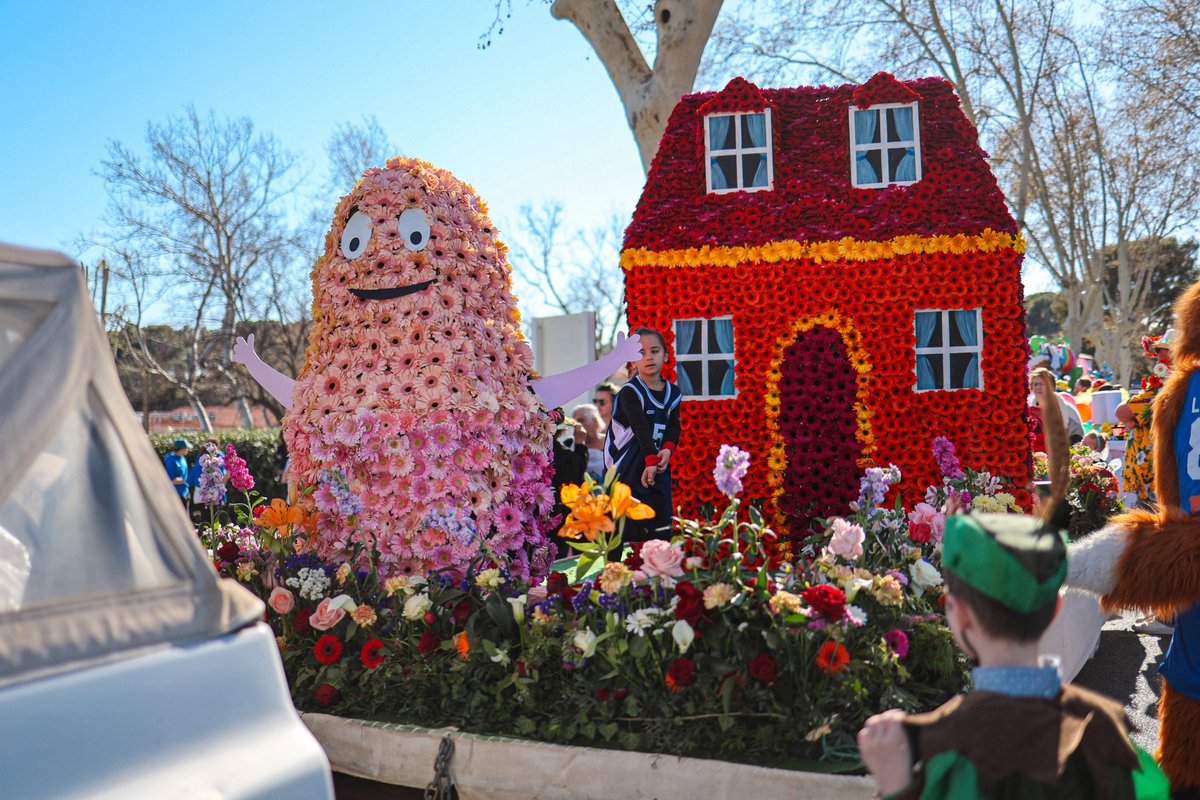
839	280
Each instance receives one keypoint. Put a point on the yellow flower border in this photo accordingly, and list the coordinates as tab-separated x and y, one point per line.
777	450
846	249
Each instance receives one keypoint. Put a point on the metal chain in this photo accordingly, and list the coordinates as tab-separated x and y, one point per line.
441	787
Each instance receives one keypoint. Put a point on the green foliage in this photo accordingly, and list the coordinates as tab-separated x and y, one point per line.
256	445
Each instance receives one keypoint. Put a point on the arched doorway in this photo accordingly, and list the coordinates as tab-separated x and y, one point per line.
817	416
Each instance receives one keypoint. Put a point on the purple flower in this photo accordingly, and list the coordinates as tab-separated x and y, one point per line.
732	466
333	494
947	461
874	485
897	640
211	487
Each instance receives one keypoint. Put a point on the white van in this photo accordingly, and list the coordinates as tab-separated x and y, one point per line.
128	669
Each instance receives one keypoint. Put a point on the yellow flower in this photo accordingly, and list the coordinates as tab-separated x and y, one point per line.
343	573
784	601
364	616
718	594
246	571
887	590
489	579
615	577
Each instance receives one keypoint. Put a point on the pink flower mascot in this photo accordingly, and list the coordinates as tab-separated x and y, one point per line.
418	421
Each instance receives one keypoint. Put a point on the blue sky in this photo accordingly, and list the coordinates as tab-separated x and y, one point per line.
534	116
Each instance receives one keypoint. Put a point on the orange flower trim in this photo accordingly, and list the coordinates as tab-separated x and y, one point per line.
777	460
845	249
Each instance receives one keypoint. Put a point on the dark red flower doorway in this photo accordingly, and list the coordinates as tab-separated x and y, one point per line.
818	424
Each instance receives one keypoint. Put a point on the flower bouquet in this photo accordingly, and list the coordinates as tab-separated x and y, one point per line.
698	646
1093	494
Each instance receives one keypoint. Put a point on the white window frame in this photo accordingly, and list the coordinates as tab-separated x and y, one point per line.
739	151
947	349
884	145
704	357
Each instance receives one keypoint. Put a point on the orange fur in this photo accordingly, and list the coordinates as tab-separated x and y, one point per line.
1179	738
1160	567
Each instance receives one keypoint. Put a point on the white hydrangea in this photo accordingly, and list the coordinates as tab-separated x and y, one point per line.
311	584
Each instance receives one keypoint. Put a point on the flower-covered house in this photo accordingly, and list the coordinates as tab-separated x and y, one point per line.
838	278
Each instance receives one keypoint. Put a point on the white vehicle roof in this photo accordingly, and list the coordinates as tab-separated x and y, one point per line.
97	555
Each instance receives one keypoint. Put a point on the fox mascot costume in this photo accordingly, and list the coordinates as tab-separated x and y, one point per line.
1150	559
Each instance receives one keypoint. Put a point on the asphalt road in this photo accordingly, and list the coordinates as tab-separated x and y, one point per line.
1125	667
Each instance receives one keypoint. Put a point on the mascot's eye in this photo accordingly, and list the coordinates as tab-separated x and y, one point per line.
356	235
414	229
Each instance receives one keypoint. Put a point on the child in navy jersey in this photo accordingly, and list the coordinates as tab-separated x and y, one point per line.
642	437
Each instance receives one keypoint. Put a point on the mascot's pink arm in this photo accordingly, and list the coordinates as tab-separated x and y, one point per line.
553	390
276	383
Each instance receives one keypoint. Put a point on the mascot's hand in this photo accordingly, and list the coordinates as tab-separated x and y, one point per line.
1092	561
243	350
628	348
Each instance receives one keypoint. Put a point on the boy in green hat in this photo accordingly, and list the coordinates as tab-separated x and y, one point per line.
1021	732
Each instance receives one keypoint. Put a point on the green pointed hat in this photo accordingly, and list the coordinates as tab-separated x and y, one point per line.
1016	560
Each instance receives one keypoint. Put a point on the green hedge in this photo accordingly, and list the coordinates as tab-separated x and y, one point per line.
256	445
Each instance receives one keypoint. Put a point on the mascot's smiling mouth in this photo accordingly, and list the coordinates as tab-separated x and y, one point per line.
390	294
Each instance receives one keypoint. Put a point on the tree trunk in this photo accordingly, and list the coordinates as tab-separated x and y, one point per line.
648	95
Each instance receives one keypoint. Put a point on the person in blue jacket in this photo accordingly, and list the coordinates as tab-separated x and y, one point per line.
177	467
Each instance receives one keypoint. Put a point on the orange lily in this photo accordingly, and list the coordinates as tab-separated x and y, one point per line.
588	518
280	515
624	504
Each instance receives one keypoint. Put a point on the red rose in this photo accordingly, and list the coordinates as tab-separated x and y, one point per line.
229	551
328	649
681	673
691	603
602	695
300	621
920	532
555	583
370	656
634	559
327	695
764	669
828	601
428	642
462	612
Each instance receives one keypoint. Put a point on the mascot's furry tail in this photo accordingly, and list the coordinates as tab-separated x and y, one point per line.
1147	560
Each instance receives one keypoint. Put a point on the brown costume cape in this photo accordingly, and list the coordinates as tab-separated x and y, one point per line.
1074	745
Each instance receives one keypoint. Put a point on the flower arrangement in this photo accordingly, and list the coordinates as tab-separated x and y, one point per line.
413	429
1093	493
974	490
674	650
816	263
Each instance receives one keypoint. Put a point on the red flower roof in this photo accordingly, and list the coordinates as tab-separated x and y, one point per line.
813	199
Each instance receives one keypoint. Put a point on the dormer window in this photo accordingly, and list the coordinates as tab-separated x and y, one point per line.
885	145
738	152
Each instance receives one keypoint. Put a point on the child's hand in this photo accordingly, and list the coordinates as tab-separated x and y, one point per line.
648	476
663	457
886	752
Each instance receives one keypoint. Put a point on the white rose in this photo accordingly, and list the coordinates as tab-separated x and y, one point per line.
924	576
683	635
416	606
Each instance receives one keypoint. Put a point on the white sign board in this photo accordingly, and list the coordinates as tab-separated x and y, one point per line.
564	343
